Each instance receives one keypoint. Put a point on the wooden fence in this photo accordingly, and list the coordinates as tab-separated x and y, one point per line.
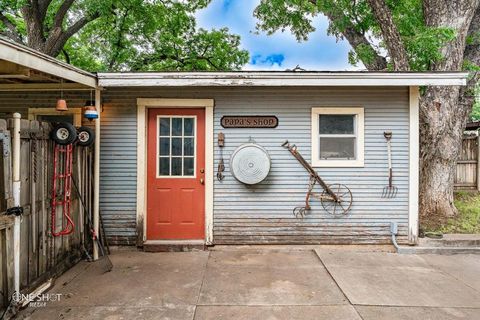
42	256
468	165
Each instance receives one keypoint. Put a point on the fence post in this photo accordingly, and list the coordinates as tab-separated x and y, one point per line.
478	160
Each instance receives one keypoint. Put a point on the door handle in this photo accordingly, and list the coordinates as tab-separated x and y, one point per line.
202	181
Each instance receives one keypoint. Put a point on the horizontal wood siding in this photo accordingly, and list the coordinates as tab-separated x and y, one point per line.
118	172
263	213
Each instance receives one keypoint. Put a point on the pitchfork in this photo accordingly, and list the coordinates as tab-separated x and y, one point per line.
389	191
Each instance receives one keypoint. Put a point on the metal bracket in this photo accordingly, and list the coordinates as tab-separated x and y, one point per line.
5	137
17	211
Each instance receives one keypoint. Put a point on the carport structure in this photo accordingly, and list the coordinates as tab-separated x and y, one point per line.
26	73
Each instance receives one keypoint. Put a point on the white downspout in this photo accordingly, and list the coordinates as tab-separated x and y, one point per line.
16	200
96	175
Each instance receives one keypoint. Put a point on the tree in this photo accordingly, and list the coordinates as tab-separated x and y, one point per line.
121	34
405	35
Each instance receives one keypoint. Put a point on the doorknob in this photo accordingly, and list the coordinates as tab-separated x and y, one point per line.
202	181
202	170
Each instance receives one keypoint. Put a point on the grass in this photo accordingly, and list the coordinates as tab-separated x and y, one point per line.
468	218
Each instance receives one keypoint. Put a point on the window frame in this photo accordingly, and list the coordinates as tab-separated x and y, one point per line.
195	137
359	124
76	112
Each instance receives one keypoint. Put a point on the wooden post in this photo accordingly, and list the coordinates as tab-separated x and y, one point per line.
16	200
96	175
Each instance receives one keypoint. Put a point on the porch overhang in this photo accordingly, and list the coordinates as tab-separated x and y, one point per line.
22	68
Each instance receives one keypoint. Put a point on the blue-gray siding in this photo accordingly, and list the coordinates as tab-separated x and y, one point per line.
263	213
118	174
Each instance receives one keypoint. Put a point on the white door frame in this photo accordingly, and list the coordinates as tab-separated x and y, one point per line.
143	104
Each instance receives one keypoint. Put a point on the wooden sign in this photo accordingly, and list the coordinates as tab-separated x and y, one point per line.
249	121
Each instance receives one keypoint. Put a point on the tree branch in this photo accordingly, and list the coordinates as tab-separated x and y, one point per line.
391	35
11	32
43	7
62	11
357	40
56	41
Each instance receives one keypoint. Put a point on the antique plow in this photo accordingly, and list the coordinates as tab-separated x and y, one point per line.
336	198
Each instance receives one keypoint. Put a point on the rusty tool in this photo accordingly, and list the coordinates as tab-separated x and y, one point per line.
390	191
336	198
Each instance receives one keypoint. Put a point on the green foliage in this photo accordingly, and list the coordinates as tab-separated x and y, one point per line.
140	35
423	44
468	219
475	115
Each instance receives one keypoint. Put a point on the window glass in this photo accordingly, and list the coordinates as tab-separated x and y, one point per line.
188	127
337	124
188	166
177	126
176	166
164	166
176	146
337	148
164	126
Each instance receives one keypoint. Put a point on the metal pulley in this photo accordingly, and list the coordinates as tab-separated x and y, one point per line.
250	163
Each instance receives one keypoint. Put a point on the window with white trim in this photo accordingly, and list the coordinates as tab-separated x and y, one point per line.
72	115
338	137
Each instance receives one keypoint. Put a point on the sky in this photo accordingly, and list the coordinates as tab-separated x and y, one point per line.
279	51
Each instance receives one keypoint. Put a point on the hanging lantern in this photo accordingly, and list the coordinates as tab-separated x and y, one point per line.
90	111
61	105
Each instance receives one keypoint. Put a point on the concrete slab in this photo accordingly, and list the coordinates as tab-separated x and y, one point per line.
465	268
268	278
415	313
138	279
111	313
352	259
396	280
272	283
276	313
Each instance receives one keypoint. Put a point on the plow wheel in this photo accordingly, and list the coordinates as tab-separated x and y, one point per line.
344	196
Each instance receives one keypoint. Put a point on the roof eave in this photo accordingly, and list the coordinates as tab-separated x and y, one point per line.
245	79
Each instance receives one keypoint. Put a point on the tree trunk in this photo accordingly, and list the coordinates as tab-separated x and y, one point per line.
442	117
441	129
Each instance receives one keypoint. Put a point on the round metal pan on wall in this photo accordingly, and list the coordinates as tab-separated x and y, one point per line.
250	163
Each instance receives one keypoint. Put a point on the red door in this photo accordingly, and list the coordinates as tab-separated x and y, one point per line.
176	174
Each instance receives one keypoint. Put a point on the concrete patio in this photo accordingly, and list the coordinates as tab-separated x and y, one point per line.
269	283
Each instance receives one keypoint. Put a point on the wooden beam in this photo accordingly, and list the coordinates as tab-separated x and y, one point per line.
43	87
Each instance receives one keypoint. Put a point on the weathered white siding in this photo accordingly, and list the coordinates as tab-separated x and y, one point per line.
263	213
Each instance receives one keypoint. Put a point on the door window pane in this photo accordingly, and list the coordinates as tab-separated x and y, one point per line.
176	146
164	146
188	126
164	166
337	148
176	166
188	147
188	166
165	126
337	124
177	126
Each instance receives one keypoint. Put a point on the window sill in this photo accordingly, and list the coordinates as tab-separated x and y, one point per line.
338	164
